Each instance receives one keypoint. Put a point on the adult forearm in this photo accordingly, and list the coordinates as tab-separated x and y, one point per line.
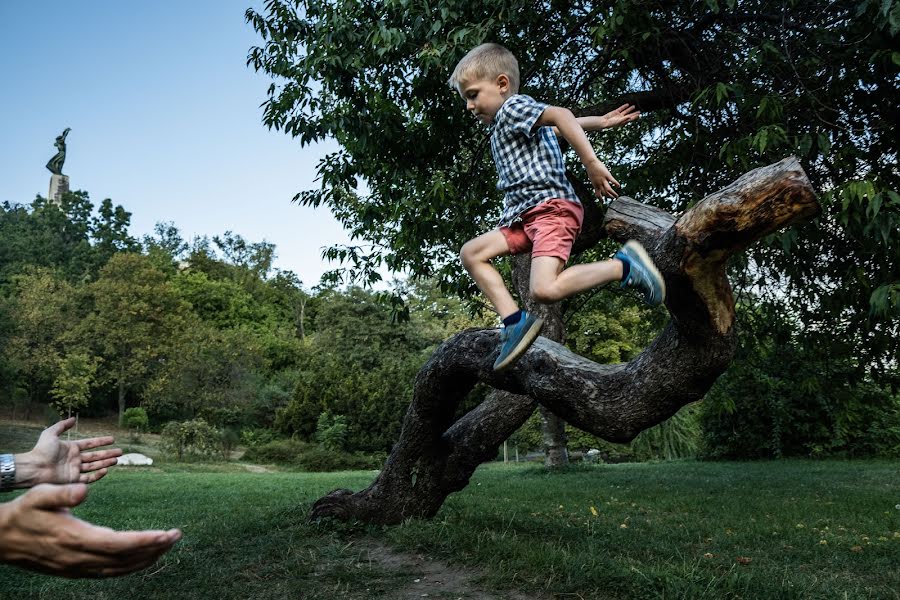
29	471
21	471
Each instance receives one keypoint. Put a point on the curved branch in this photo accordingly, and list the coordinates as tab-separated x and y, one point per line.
436	456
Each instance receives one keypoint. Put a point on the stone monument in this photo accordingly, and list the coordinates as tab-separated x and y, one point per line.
59	183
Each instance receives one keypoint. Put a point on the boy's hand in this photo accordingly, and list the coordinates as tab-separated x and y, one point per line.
621	116
601	179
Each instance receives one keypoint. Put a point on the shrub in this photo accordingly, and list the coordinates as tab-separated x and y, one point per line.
331	432
322	460
309	457
283	451
254	438
191	438
136	420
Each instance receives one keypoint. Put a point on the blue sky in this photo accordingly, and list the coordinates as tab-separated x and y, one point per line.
165	120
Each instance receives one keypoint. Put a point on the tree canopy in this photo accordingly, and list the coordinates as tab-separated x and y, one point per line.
723	87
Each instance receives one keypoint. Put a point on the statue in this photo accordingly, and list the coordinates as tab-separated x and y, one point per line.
55	164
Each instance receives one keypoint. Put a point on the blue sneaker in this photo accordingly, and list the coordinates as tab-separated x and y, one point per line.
515	340
643	273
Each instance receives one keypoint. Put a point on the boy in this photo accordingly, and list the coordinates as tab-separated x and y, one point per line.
541	212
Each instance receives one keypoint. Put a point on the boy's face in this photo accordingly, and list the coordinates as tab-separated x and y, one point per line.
484	97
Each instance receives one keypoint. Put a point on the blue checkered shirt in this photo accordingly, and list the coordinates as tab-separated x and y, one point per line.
529	162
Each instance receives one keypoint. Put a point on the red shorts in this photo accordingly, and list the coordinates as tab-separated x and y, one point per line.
548	229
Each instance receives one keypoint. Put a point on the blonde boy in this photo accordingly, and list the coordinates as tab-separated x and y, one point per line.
541	211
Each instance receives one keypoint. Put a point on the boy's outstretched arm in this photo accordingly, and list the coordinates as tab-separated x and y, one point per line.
623	115
565	122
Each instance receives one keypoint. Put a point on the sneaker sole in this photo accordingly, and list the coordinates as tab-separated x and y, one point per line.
635	247
523	345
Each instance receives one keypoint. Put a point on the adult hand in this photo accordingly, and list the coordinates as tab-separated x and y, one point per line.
38	532
621	116
53	460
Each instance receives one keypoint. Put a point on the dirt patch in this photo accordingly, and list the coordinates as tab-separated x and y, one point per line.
255	468
427	578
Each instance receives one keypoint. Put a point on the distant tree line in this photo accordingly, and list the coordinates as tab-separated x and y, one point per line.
93	320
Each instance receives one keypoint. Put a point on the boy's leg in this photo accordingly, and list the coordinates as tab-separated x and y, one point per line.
520	328
550	283
476	257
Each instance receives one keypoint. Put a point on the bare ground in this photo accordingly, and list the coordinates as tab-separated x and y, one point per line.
427	578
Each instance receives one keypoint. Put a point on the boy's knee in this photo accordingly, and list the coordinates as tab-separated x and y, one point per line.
545	293
468	254
464	256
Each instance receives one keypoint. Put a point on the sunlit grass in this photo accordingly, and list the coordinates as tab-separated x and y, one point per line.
790	529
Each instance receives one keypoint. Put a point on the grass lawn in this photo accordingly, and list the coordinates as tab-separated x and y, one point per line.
788	529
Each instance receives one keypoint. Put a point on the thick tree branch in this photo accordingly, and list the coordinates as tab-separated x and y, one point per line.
436	456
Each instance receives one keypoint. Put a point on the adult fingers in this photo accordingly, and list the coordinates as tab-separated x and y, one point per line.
49	496
60	426
101	540
78	564
89	457
96	442
94	465
92	476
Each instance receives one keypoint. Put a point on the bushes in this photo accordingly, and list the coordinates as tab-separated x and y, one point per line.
136	420
785	397
677	437
310	457
191	438
277	451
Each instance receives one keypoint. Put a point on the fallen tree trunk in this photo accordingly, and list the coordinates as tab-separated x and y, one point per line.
436	456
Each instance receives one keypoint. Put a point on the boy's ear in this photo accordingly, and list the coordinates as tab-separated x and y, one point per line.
503	82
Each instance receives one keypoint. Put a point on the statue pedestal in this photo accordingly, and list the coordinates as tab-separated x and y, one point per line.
59	185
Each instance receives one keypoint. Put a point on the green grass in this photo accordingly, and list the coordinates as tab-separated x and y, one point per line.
523	529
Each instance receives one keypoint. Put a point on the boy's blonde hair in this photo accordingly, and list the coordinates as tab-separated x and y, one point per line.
487	61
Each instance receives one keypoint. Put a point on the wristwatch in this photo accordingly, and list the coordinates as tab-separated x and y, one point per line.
7	471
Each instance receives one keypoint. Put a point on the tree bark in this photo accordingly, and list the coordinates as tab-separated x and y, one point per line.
121	386
553	429
436	456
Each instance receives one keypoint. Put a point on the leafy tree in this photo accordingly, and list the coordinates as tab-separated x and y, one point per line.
135	315
782	397
165	247
357	364
44	308
723	87
109	229
209	373
8	379
221	302
255	258
47	234
72	385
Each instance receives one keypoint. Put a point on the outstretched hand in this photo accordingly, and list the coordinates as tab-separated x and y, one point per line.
56	461
38	532
621	116
602	180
